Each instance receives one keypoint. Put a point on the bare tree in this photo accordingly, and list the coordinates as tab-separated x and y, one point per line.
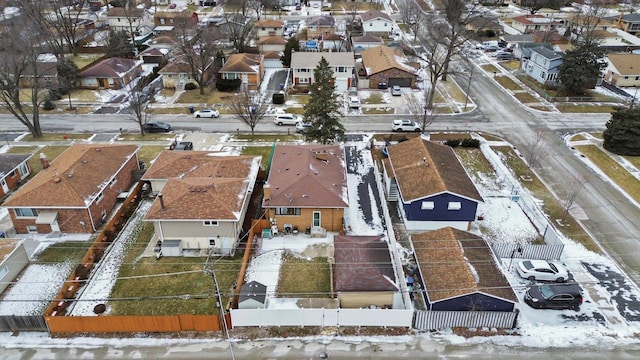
533	6
250	107
139	108
411	13
198	52
421	113
236	28
586	22
573	191
59	20
535	151
18	61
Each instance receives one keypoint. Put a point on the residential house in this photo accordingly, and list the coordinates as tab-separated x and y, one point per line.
320	25
460	273
342	64
333	42
551	37
13	258
430	184
46	72
360	43
271	43
482	26
377	23
166	21
577	23
253	295
543	66
154	55
247	67
76	192
14	168
307	188
269	27
201	202
363	273
527	24
388	65
110	73
522	51
131	19
272	59
628	22
623	70
177	73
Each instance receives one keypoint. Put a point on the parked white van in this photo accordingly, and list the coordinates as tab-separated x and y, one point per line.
287	119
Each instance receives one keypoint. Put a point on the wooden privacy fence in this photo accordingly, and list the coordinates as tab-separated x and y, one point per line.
93	256
23	323
256	227
528	251
116	324
432	320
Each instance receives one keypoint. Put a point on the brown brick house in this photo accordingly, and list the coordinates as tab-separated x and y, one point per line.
383	64
307	187
76	192
14	168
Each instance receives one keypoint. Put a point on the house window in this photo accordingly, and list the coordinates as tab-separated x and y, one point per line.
210	223
543	75
4	271
212	242
341	69
103	215
161	21
454	205
637	78
287	211
263	29
626	78
370	24
385	24
26	212
427	205
32	229
303	81
170	21
99	198
24	170
112	182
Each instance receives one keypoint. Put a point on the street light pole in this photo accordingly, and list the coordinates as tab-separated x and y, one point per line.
222	312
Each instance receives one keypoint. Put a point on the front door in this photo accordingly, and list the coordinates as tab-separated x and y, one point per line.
316	218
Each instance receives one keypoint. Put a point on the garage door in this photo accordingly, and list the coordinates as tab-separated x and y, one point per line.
402	82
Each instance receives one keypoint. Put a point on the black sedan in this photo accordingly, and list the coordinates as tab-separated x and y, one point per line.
554	296
184	146
157	127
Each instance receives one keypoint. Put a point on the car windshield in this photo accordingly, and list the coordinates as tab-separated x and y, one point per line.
527	264
546	291
553	267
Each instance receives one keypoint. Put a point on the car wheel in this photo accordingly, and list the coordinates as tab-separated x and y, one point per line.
198	116
531	278
574	307
280	123
416	130
560	279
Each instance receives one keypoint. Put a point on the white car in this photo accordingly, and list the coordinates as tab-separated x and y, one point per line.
405	125
287	119
354	102
206	113
545	270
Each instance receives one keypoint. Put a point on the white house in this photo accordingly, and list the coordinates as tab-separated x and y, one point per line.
544	65
342	63
376	22
131	19
623	69
360	43
269	27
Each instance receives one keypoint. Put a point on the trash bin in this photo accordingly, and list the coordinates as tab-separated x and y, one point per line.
191	109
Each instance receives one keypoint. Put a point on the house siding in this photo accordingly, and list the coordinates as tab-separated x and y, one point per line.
473	302
15	262
362	299
195	235
378	27
15	177
330	219
440	212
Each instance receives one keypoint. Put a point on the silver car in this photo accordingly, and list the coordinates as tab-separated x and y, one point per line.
545	270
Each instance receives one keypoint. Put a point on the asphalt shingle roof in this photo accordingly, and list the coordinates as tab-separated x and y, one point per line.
362	263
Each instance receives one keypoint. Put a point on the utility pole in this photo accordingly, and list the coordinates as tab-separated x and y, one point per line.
220	307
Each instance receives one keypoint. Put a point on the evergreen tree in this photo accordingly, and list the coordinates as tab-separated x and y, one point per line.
581	67
119	45
322	110
292	45
622	135
67	77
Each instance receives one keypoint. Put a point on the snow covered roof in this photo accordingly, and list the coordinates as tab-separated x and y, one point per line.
111	67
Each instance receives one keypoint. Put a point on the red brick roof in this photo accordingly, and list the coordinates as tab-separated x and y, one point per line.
75	177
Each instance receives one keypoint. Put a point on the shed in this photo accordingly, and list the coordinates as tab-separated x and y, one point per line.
172	248
253	295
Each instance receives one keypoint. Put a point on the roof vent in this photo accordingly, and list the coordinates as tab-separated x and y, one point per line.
98	149
57	179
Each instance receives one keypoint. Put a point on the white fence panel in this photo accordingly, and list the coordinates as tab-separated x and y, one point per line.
321	317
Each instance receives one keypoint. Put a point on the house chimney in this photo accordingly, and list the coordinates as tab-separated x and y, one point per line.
161	202
266	188
43	161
